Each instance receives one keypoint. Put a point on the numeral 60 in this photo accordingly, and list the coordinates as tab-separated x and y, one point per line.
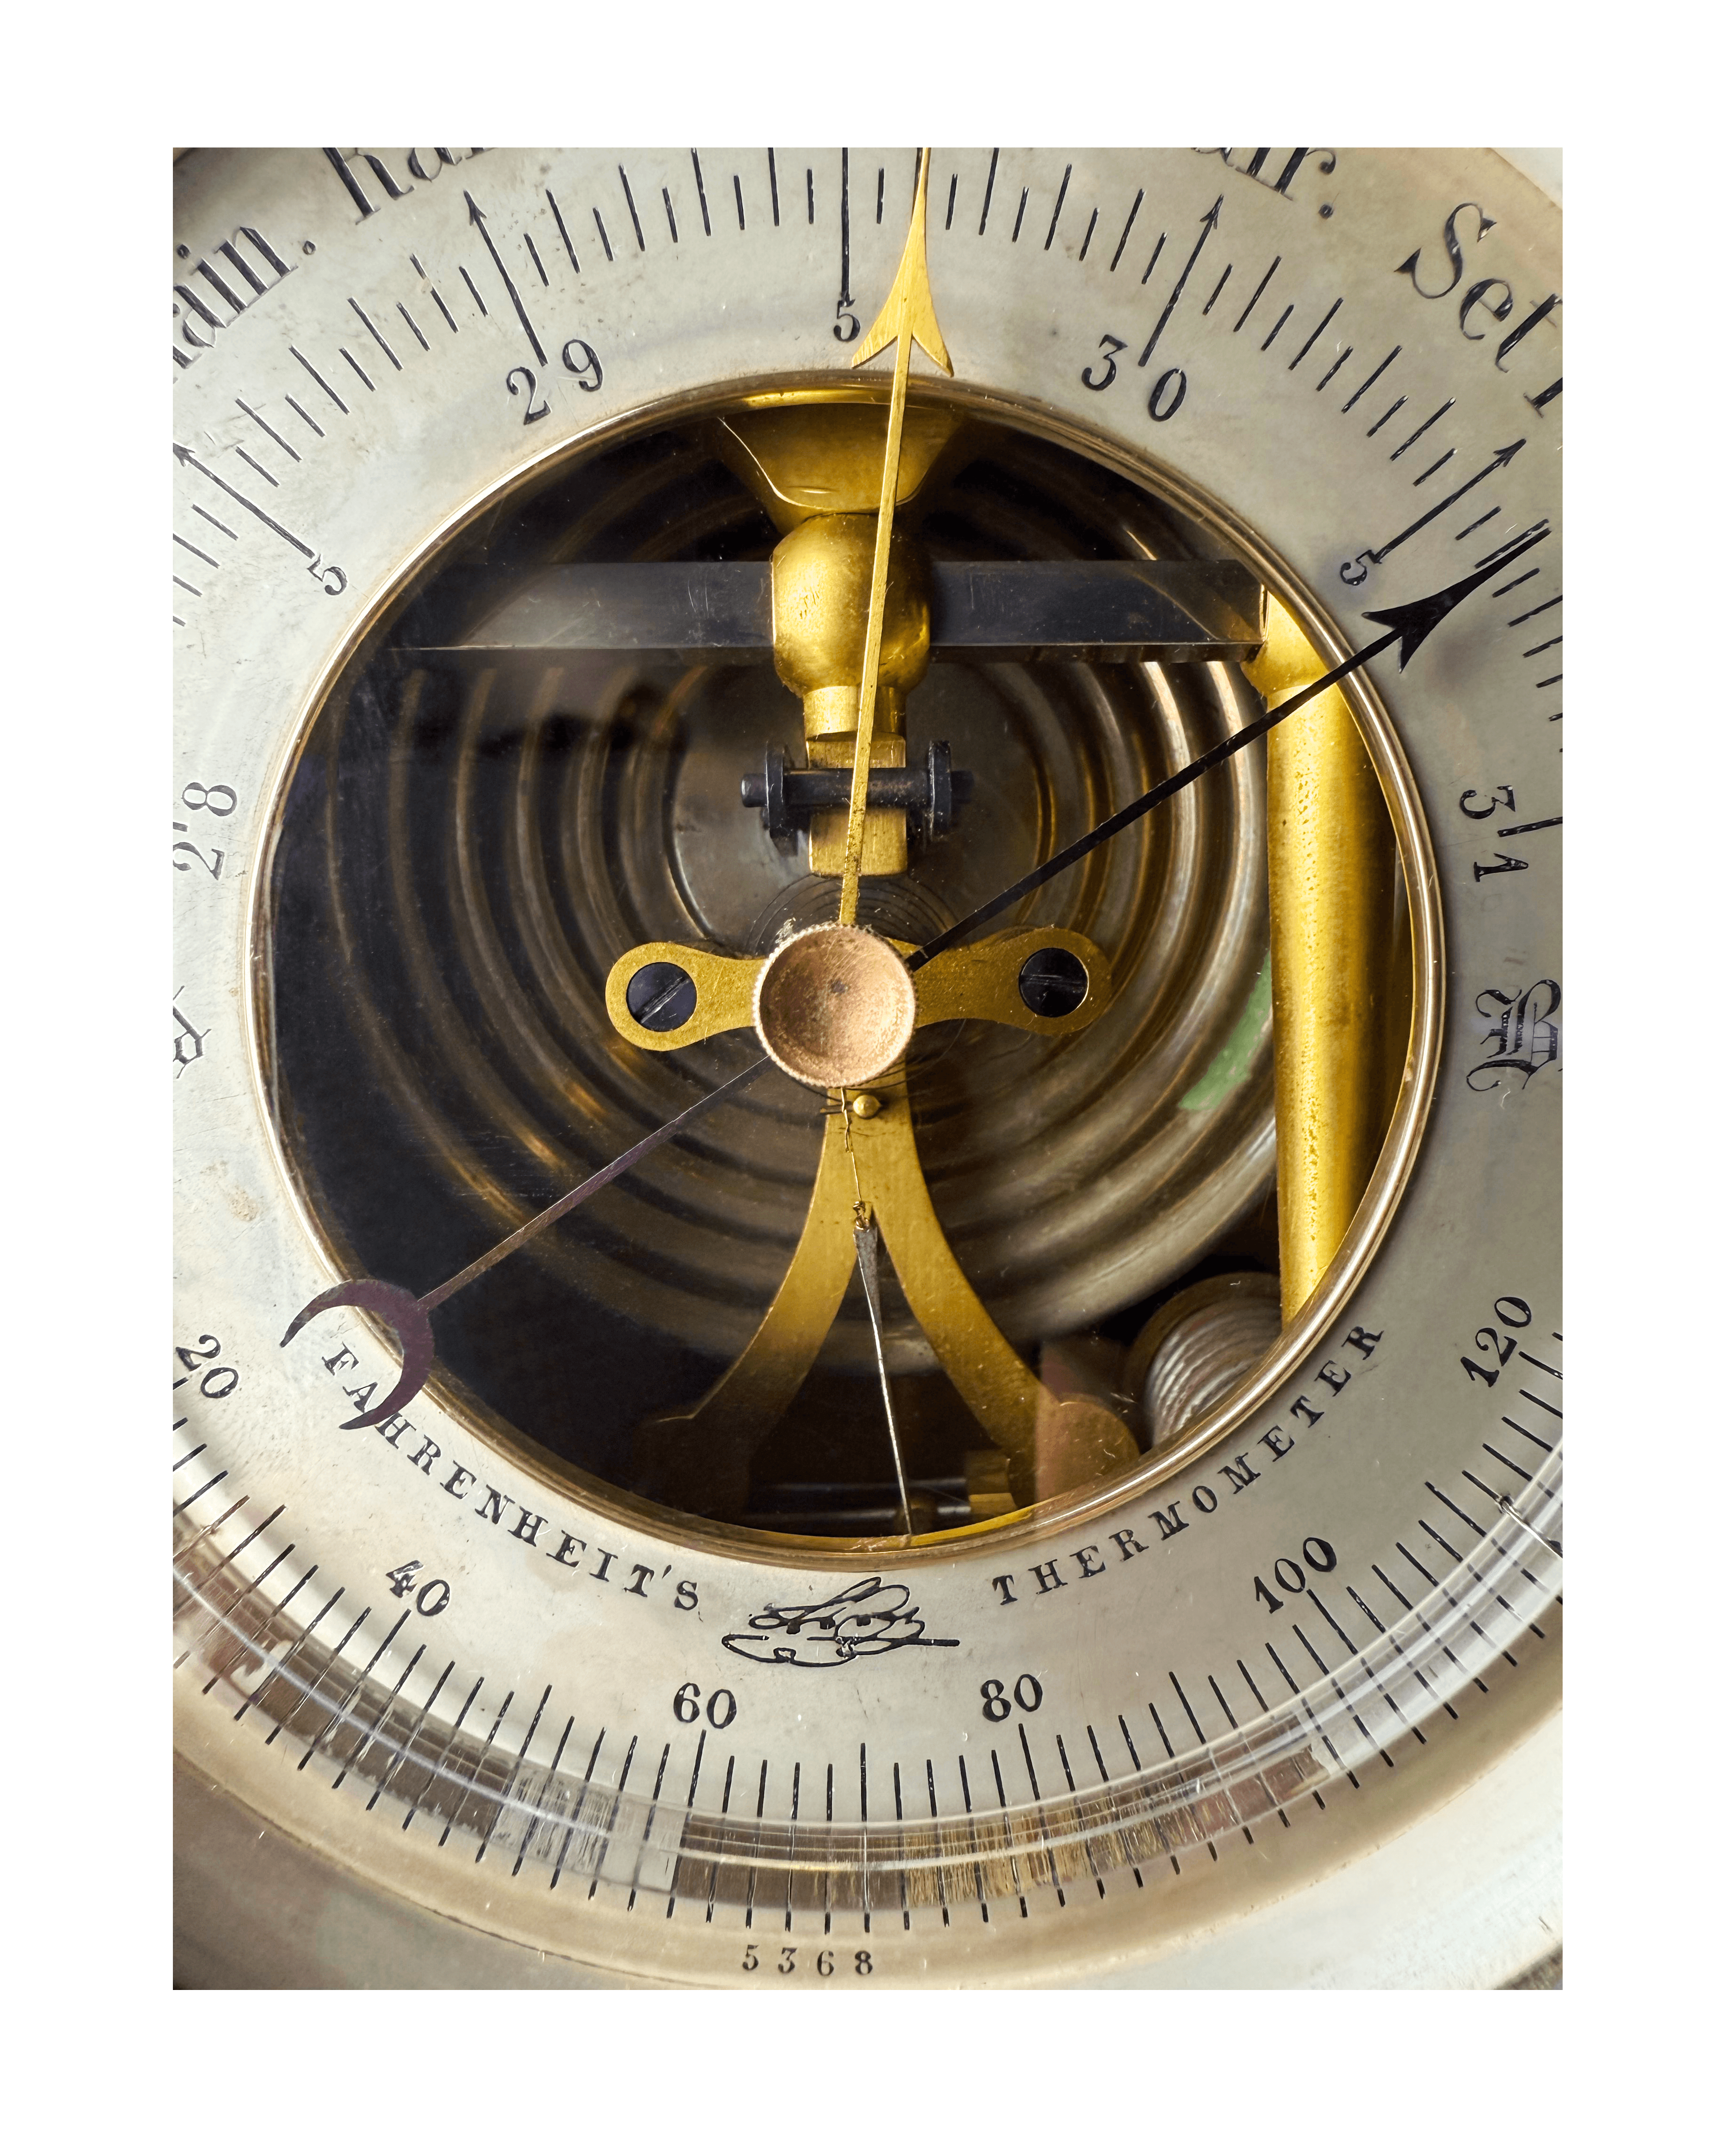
720	1709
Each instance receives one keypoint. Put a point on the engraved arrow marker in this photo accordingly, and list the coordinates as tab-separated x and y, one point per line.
1353	578
481	221
1209	223
330	576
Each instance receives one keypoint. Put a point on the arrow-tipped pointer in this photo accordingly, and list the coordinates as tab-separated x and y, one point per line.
1411	623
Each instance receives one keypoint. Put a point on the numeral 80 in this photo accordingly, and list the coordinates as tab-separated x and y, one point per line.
1027	1696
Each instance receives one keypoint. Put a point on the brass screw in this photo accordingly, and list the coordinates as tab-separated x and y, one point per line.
865	1105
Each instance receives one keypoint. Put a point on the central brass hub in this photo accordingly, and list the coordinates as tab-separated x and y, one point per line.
834	1006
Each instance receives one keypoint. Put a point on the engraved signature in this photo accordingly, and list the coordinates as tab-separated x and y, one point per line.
876	1617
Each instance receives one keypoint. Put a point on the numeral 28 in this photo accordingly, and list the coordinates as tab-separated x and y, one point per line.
219	802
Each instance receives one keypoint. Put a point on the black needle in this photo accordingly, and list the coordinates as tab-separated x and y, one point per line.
407	1315
1411	623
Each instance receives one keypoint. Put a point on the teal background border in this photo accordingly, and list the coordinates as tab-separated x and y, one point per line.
101	94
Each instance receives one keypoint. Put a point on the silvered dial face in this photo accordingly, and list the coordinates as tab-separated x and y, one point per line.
1044	1458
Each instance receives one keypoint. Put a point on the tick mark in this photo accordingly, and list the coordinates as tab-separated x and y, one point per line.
1256	296
632	205
560	221
1127	229
1316	335
1419	429
1066	178
384	345
1339	364
1368	380
342	407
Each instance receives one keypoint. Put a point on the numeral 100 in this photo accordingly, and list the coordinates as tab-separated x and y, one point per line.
1316	1552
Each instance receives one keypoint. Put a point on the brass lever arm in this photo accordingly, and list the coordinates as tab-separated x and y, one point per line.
977	980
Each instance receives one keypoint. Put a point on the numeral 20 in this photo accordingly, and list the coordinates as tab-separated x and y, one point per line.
1512	1313
216	1383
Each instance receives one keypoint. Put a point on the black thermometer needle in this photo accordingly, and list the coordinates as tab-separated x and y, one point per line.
1411	623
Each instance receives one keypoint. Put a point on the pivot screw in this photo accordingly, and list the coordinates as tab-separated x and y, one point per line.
1052	983
661	997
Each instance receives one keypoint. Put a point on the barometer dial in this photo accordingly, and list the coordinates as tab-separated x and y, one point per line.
867	1040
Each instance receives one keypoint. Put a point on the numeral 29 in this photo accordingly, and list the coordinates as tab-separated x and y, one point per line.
579	359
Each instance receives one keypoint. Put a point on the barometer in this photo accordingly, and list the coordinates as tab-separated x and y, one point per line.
867	1017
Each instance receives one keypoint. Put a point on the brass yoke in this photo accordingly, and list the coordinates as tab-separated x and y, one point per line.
816	468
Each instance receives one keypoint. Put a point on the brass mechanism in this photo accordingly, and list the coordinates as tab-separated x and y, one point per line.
868	1159
817	470
1340	959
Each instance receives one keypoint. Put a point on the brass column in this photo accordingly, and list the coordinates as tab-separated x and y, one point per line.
1340	959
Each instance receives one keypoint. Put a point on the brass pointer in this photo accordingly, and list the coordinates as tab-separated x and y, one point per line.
906	316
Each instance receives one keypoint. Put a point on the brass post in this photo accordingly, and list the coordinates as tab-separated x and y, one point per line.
1341	964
